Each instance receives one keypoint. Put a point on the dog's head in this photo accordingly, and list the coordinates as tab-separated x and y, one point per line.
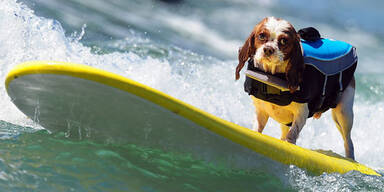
274	47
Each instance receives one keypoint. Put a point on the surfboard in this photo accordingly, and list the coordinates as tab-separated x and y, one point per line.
91	103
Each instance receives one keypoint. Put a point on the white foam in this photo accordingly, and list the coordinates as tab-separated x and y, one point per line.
35	38
193	28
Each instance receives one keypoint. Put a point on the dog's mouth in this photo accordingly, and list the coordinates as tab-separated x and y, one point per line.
270	64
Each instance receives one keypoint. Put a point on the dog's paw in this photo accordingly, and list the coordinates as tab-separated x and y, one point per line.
293	141
292	136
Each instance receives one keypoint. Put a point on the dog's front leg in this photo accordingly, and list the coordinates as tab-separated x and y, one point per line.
261	116
261	119
300	115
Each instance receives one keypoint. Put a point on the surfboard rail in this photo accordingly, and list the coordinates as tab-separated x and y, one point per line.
270	147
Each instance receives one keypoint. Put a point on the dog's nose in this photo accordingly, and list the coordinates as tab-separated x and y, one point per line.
268	51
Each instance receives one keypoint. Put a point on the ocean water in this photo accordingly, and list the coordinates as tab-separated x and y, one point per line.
188	50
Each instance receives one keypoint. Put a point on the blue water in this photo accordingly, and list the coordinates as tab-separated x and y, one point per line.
190	45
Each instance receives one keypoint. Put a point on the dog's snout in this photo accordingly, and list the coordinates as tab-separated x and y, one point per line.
268	50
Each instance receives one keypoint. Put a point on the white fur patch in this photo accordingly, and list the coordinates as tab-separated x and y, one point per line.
276	27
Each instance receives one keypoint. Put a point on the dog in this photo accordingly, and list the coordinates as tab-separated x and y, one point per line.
275	47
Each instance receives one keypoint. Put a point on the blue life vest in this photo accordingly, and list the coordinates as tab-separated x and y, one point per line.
329	56
329	68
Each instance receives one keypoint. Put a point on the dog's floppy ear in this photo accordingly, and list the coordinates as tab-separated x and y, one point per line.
295	67
245	52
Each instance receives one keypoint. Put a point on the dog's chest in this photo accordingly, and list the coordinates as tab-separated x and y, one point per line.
281	114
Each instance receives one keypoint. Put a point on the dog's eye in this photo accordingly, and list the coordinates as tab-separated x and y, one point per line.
283	41
262	37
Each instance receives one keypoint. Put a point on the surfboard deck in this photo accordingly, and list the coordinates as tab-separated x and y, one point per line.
88	102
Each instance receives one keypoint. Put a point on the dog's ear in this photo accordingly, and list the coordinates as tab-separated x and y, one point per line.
295	67
245	52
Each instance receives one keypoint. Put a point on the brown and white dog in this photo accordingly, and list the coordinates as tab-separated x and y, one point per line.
274	46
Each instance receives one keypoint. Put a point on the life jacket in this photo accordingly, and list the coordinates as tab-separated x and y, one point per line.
329	68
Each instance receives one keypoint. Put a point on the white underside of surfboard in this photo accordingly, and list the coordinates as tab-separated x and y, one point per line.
87	109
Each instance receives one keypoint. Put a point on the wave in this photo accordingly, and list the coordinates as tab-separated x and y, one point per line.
197	78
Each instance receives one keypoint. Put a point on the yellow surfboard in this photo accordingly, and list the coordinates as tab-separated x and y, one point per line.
87	102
